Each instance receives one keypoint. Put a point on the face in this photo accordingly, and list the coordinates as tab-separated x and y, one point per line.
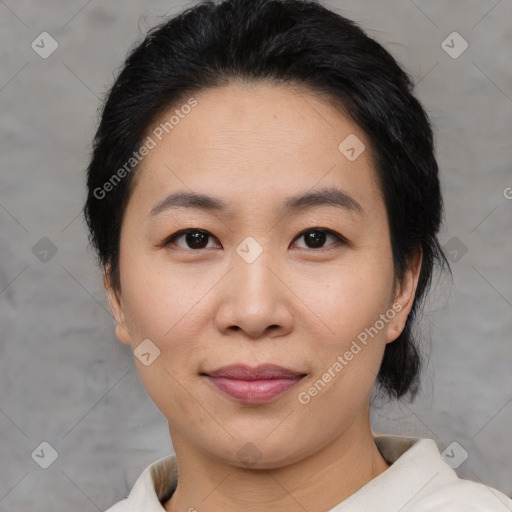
288	263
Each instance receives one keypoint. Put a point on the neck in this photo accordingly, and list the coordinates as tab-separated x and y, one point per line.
318	482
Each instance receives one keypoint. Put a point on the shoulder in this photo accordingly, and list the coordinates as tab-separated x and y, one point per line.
156	483
420	480
120	506
464	496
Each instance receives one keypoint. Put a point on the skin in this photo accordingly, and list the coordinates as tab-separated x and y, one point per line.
296	305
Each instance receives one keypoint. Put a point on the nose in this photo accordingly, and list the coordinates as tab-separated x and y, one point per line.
254	300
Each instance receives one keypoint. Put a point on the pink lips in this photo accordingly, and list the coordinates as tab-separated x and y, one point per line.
253	385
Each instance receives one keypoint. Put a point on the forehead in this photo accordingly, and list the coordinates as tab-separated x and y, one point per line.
255	140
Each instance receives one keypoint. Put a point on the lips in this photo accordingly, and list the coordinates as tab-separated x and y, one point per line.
253	385
263	372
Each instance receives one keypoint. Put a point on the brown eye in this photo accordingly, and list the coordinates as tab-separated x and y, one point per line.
315	238
196	239
193	239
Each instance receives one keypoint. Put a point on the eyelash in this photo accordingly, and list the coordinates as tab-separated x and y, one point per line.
172	238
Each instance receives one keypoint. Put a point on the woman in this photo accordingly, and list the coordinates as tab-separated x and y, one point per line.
265	203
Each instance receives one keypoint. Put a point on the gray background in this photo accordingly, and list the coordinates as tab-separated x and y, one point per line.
66	380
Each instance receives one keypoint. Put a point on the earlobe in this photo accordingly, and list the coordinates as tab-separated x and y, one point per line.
404	296
394	331
117	310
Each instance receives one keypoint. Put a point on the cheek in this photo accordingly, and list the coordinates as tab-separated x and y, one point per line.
165	306
158	301
162	309
349	298
357	307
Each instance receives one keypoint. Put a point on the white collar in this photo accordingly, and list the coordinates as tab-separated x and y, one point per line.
417	479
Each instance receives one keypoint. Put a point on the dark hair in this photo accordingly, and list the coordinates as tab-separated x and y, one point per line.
293	42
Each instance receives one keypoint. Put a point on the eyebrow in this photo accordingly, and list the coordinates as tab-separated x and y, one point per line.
324	197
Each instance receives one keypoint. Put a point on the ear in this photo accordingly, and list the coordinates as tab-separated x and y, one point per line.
117	308
404	296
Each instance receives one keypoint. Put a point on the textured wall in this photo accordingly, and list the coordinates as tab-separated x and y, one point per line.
66	380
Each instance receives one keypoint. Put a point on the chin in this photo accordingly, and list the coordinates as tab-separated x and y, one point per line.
262	454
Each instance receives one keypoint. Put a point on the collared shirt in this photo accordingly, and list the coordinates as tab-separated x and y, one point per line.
418	480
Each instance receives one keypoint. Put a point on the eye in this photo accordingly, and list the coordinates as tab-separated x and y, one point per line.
193	238
315	238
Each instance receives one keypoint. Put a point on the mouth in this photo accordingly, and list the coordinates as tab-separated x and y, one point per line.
253	385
